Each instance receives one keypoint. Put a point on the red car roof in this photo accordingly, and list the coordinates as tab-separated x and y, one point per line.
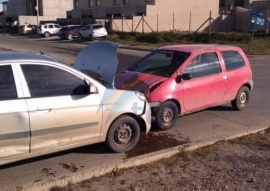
198	47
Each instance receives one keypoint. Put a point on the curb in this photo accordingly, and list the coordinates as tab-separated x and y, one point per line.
133	162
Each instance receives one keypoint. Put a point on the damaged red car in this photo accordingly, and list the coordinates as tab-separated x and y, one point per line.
181	79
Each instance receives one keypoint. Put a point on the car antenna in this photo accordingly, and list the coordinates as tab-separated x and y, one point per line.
41	52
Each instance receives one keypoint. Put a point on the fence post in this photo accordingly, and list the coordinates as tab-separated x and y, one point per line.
132	23
190	22
173	23
157	22
143	24
122	23
210	23
267	21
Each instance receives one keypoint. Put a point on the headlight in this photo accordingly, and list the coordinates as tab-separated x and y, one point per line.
141	96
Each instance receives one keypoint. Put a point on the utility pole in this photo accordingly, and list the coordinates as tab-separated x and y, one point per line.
37	9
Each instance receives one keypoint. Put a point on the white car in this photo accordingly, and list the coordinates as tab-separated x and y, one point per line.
93	31
48	29
47	106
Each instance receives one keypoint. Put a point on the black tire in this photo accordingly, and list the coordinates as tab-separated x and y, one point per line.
123	134
70	36
242	98
91	38
166	116
47	34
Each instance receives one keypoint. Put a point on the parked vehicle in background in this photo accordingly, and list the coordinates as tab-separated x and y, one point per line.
48	29
69	32
27	29
182	79
48	106
93	31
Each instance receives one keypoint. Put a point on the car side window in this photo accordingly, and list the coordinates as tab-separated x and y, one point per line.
233	60
7	83
45	27
44	81
203	65
87	28
51	26
57	26
97	26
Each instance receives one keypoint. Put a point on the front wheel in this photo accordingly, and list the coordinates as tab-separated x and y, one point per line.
70	37
91	38
242	98
166	115
46	34
123	134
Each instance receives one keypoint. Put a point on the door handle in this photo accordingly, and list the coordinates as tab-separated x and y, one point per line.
44	110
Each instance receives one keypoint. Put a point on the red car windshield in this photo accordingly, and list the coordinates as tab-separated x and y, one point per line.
160	62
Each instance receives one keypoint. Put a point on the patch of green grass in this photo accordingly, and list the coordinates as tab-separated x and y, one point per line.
260	44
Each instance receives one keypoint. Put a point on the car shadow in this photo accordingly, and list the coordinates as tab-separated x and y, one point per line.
99	148
221	108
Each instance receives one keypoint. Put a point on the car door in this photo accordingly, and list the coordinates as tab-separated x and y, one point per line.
61	110
14	119
86	31
235	71
207	84
57	28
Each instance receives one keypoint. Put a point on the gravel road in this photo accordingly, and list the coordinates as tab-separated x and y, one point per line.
239	164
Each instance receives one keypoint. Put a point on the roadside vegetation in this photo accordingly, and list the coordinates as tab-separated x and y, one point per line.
260	44
238	164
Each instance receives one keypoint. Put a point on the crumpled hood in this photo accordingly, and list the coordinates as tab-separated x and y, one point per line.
100	57
130	80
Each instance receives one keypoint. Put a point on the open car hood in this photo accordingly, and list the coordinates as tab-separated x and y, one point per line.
100	57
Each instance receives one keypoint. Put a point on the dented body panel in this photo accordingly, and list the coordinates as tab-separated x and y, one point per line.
35	122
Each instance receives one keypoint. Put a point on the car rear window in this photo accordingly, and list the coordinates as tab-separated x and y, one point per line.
97	26
233	60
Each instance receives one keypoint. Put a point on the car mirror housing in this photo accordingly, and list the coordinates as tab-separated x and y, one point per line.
93	89
184	76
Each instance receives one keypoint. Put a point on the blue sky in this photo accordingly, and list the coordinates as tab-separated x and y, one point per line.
2	1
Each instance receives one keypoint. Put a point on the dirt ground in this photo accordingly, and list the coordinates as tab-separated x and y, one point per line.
239	164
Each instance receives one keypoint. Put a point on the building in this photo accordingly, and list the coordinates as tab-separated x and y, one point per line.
3	10
34	11
169	15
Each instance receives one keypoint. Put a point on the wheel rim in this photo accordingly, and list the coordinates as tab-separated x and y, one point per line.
242	98
123	134
69	36
167	115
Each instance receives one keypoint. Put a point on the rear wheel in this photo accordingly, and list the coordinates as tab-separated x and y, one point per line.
166	115
46	34
123	134
242	98
70	37
91	38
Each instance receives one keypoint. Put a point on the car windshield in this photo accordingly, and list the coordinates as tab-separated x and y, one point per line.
160	62
95	76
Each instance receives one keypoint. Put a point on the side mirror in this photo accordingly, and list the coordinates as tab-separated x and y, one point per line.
93	89
184	76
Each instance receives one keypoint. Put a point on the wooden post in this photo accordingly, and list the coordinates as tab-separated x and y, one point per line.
210	23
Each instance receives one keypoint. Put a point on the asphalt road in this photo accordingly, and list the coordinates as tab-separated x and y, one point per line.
208	125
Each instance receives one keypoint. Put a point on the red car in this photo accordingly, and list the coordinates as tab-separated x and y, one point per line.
182	79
